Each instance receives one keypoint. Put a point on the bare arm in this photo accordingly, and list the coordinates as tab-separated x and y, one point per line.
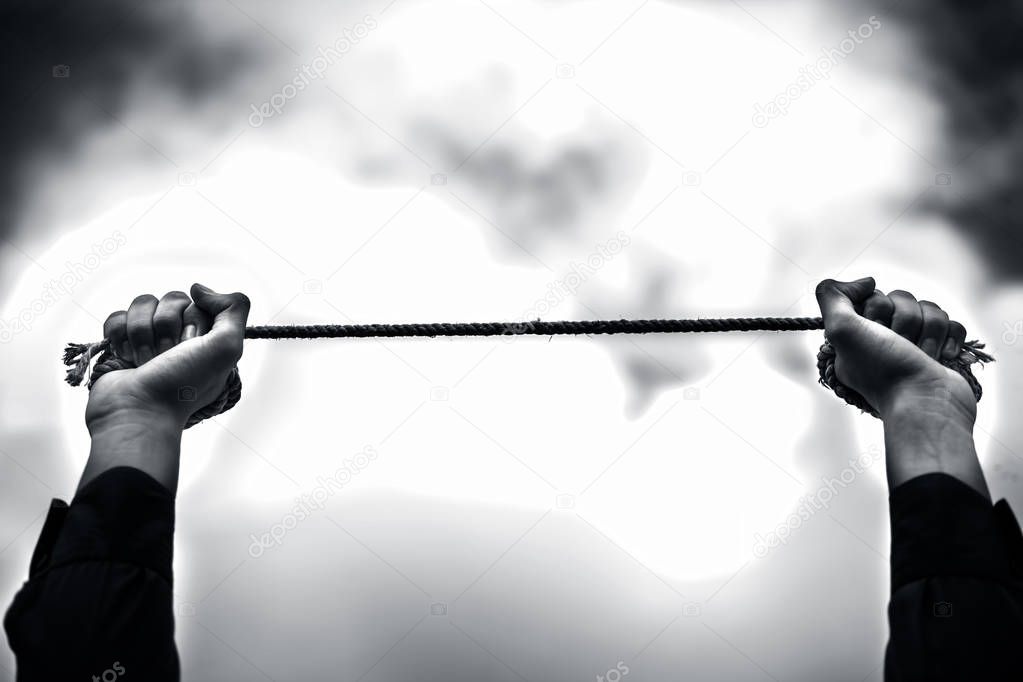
887	349
184	348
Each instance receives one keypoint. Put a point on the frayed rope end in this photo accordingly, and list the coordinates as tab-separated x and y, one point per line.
971	353
78	357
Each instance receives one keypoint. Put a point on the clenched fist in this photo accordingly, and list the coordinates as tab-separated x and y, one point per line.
888	346
183	348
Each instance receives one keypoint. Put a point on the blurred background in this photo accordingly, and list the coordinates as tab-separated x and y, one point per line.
647	508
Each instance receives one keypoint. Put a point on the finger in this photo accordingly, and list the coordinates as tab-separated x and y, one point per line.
955	340
140	328
879	308
907	317
842	297
230	313
933	328
196	322
115	330
167	320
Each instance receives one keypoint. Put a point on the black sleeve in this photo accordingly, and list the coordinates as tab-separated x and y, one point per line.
956	610
99	594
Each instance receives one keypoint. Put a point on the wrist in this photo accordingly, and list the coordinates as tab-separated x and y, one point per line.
930	431
944	402
146	440
115	408
161	423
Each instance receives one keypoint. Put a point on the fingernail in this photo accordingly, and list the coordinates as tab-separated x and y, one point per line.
189	332
145	354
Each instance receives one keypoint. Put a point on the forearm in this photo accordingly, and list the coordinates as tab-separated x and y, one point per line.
929	433
147	441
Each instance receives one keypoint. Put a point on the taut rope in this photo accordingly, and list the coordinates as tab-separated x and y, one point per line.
79	356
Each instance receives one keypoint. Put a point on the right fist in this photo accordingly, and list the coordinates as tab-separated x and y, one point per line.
887	347
183	347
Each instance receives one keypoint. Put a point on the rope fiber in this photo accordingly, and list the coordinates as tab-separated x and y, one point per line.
79	356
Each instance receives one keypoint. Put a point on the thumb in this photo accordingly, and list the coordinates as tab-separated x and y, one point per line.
841	299
229	312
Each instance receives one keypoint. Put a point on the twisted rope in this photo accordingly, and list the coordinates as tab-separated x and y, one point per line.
536	327
79	356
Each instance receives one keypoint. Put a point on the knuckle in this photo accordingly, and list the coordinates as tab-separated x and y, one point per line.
176	296
825	285
902	293
139	332
241	299
880	303
932	306
164	323
115	317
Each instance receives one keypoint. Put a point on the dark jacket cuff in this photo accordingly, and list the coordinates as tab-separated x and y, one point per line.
943	527
123	515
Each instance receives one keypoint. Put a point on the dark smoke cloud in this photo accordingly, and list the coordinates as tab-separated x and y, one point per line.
71	68
537	194
973	55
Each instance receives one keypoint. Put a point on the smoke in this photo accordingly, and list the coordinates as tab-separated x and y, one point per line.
70	69
973	62
535	193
